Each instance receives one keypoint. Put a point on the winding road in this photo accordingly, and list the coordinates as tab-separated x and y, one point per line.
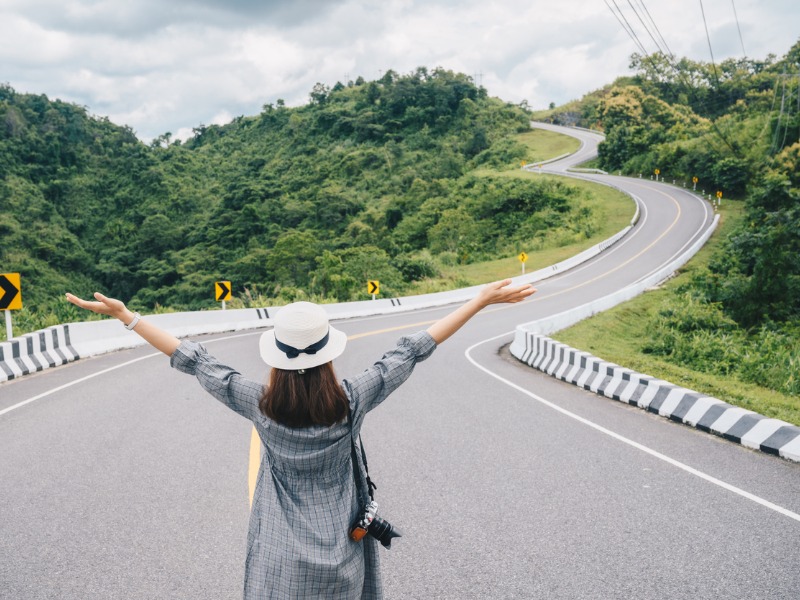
130	482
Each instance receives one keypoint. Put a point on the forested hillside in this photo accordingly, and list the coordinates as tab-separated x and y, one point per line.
372	180
736	127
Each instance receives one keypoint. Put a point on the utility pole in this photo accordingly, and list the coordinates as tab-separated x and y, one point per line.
780	114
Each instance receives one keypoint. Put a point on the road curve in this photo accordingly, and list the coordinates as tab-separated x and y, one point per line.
131	483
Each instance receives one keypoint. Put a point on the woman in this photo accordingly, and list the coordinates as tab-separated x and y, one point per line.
308	494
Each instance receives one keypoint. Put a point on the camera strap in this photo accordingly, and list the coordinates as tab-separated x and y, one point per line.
370	484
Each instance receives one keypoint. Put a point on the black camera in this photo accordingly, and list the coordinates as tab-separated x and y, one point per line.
371	523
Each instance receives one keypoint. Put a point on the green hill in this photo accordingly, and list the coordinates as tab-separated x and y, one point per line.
394	179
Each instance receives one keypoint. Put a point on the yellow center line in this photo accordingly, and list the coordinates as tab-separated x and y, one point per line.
631	259
388	329
255	440
538	297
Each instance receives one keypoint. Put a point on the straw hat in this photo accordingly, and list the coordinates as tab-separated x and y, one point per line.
301	338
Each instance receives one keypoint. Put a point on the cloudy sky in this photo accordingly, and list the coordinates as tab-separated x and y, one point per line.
170	65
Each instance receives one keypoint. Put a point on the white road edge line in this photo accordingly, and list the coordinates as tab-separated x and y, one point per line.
623	439
103	372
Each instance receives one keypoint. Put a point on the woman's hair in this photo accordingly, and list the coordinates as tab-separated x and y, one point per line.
313	397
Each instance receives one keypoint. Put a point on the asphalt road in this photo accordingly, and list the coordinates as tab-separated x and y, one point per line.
129	482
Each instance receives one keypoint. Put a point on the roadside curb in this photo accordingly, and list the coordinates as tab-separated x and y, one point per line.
673	402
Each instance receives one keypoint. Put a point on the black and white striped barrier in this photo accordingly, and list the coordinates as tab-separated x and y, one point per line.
679	404
36	351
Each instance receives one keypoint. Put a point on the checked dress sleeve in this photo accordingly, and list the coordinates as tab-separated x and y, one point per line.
371	387
224	383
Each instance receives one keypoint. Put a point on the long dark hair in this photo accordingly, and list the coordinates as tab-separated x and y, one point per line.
296	399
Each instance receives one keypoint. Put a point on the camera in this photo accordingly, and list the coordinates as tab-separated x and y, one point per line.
371	523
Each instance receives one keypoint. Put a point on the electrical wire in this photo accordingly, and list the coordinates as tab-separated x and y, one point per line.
626	26
660	43
733	4
670	59
708	37
646	20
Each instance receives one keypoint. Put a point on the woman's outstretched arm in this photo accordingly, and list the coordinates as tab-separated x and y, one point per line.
493	293
155	336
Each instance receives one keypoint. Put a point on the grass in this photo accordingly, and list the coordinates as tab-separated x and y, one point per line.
611	209
617	334
543	145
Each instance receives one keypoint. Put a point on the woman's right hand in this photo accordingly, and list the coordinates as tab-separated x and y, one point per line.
103	306
158	338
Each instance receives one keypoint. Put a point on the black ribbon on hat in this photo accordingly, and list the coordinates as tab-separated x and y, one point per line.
292	352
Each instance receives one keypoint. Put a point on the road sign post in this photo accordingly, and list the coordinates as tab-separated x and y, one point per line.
373	287
222	291
694	184
657	172
10	298
523	258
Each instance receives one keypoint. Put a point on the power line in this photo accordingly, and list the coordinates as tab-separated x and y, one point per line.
658	42
735	16
708	37
627	26
661	37
669	57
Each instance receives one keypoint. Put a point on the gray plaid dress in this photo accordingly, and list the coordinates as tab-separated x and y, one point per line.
305	498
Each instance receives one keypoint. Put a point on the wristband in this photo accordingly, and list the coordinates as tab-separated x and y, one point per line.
132	324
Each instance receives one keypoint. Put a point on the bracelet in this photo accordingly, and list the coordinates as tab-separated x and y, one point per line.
132	324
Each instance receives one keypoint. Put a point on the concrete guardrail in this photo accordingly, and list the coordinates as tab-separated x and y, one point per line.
532	346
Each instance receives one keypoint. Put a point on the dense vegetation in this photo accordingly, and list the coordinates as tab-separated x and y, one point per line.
735	126
371	180
395	179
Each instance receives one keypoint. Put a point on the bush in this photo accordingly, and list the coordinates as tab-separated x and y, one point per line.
416	268
693	333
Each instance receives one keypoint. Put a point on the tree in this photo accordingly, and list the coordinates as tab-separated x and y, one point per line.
319	93
292	258
456	231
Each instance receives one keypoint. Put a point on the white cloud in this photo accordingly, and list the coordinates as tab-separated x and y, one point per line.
171	66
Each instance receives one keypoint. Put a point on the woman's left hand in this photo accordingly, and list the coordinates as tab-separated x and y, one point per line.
501	292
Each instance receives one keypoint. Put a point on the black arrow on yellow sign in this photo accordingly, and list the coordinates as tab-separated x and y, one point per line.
374	287
223	289
10	291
